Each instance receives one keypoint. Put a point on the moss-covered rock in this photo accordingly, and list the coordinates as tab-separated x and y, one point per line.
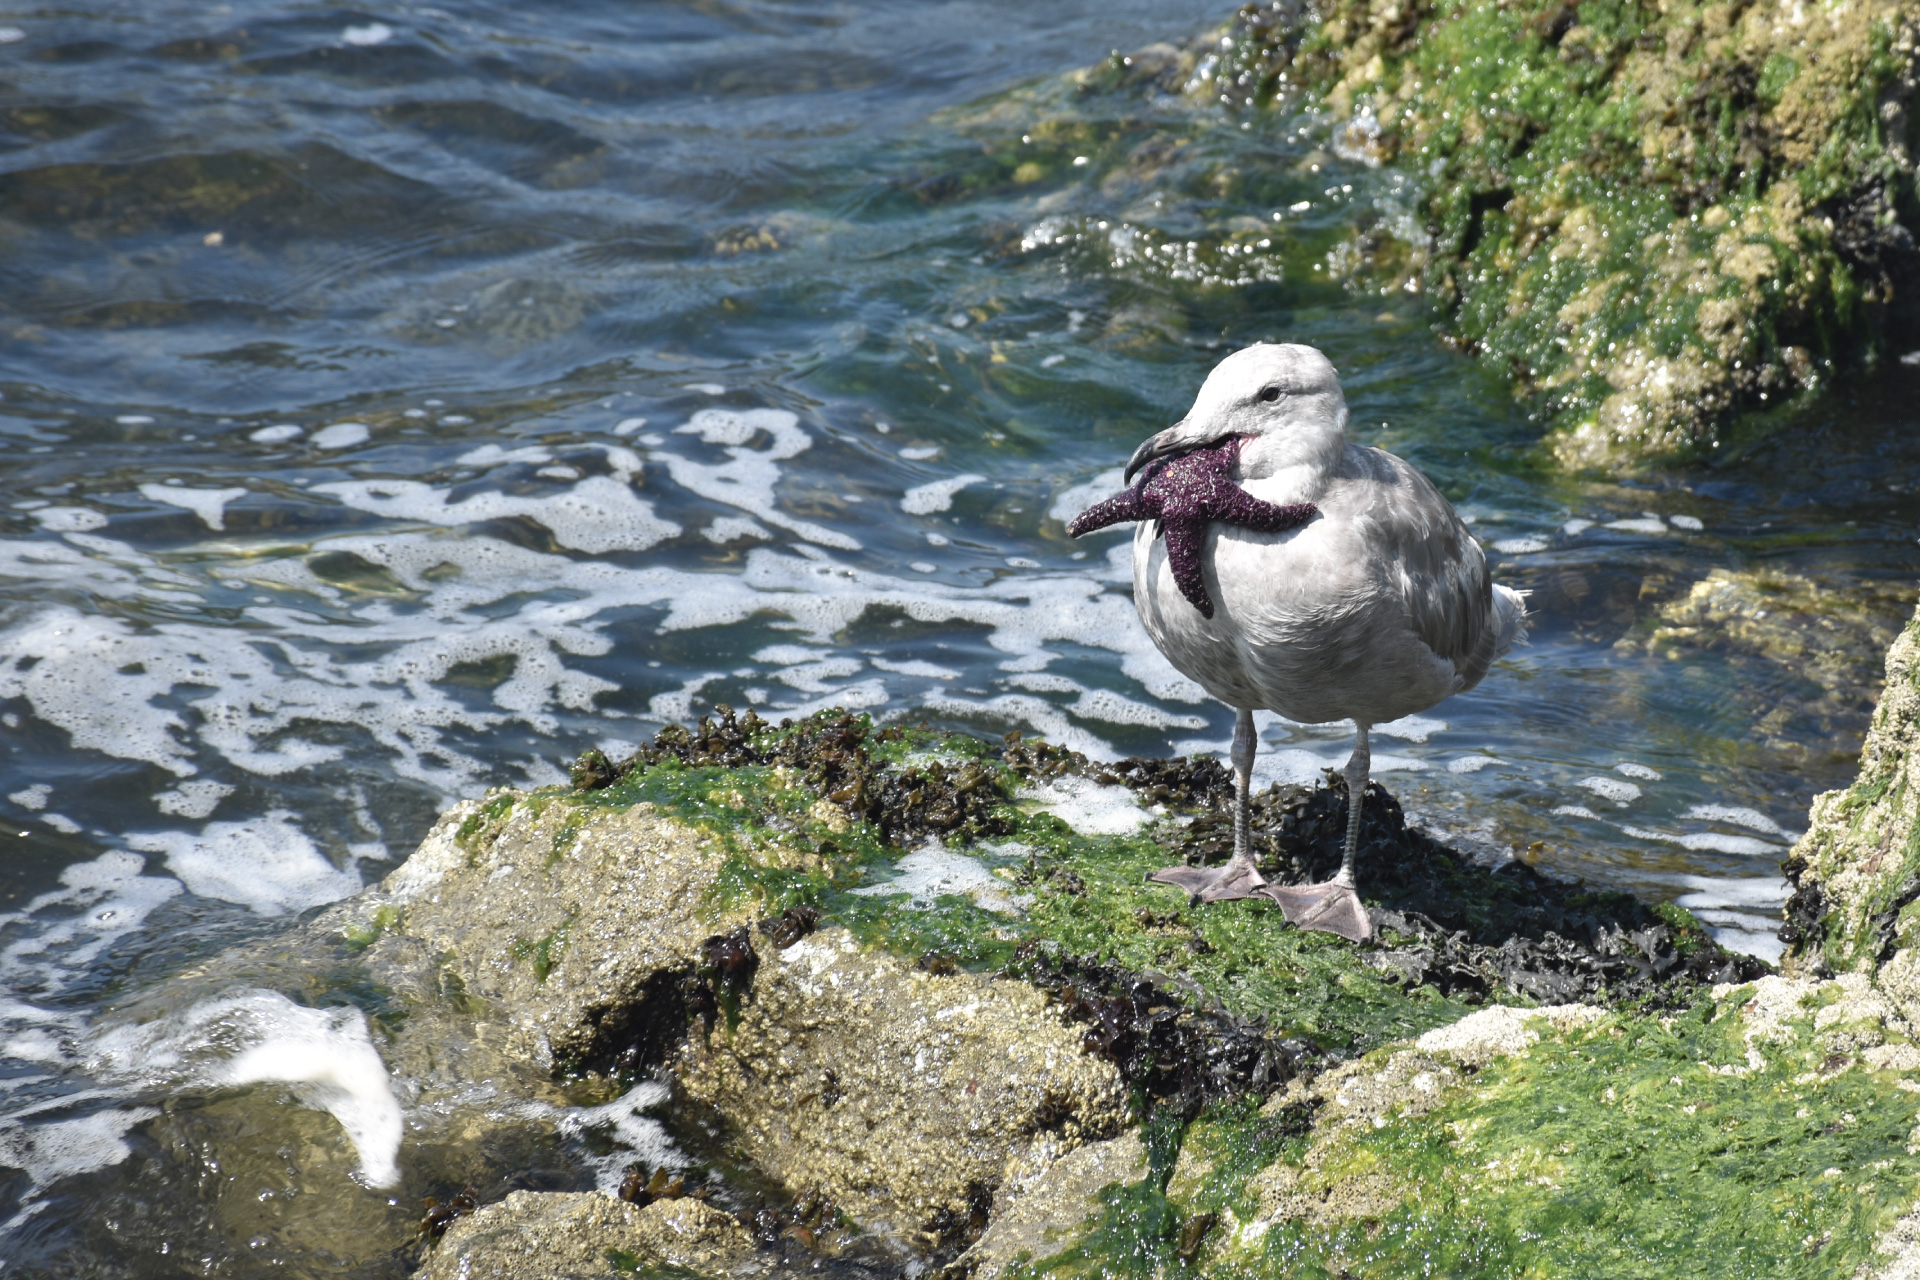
1651	215
1857	870
1736	1139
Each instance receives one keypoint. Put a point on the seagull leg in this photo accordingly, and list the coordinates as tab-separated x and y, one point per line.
1333	906
1239	878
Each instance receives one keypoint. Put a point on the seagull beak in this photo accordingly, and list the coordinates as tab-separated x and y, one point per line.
1181	437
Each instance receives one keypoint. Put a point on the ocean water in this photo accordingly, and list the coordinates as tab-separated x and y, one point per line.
394	404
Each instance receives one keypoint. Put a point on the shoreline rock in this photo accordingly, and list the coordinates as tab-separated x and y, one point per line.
1655	219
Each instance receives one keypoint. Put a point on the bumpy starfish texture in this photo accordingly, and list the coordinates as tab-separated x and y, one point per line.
1186	494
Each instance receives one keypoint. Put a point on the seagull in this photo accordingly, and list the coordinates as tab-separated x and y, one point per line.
1285	568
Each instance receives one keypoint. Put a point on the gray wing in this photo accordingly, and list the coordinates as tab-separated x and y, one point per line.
1432	563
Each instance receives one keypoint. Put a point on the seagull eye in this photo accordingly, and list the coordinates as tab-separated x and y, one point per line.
1270	394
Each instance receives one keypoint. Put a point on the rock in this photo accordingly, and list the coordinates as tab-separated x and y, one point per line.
898	1094
1495	1032
1037	1212
1654	216
556	1235
1856	872
562	913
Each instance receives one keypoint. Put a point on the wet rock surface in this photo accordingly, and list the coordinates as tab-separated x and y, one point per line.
586	1236
1856	872
1039	1211
898	1093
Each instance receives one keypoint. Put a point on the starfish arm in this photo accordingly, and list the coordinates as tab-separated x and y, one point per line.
1239	507
1186	540
1118	509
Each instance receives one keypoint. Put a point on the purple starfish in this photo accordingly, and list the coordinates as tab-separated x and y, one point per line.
1186	494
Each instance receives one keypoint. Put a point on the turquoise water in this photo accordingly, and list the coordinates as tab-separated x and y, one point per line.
395	404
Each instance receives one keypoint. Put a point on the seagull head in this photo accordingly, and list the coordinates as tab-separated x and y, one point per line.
1281	398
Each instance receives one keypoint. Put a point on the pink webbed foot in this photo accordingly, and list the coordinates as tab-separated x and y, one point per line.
1214	884
1327	908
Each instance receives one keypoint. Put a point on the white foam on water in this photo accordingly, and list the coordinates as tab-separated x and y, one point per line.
59	1149
1046	682
1575	811
1621	793
1411	728
12	35
725	529
371	34
921	452
34	797
493	455
209	504
254	1036
1691	524
1105	704
705	388
747	479
1710	841
598	514
936	495
934	871
1741	816
1089	807
627	426
342	435
1645	773
916	667
1077	498
1768	893
1020	709
277	434
811	677
1648	524
1740	912
1574	528
1472	764
267	864
70	519
636	1137
196	799
1522	546
59	934
849	697
62	823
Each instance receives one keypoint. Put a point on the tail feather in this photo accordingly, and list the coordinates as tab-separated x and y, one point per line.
1510	614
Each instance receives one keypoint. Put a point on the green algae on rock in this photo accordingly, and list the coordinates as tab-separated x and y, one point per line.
1651	216
1735	1139
1856	872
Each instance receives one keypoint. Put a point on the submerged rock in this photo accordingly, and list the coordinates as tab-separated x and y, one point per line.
1856	872
1653	216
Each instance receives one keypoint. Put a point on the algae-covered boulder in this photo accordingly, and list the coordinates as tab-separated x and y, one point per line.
900	1094
1651	215
586	1236
1747	1136
562	913
1857	869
